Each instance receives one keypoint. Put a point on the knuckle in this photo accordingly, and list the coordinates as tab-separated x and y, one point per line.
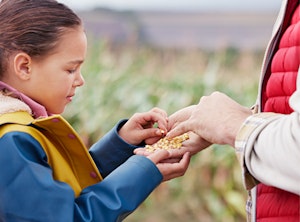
155	109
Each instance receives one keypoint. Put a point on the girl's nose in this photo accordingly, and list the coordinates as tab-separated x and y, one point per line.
79	81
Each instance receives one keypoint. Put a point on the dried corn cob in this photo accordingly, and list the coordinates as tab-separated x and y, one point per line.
167	143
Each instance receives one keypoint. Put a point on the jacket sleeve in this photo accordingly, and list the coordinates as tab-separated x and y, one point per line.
268	148
111	150
28	191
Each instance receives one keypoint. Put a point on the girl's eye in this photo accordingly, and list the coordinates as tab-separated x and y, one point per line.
72	71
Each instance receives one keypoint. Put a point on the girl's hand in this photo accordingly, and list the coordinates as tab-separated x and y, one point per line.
169	166
140	127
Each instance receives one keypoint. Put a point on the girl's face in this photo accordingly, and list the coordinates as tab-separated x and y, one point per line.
55	77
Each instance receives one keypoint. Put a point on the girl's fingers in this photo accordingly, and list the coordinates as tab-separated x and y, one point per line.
152	135
158	156
158	116
174	170
160	111
142	152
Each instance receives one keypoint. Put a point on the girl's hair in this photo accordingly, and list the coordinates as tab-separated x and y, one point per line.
33	27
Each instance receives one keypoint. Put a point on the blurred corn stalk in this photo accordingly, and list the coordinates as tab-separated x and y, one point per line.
122	81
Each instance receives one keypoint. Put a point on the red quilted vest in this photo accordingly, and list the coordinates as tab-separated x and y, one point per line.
275	205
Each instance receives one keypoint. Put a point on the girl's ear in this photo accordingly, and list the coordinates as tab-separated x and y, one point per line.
22	66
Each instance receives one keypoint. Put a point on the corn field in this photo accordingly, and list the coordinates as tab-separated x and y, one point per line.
123	80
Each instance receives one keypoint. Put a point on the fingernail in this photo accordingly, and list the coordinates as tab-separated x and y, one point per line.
158	132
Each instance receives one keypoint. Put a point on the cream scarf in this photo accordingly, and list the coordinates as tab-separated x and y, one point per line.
10	104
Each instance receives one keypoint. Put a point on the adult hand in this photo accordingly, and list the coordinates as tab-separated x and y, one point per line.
140	127
217	119
195	143
180	116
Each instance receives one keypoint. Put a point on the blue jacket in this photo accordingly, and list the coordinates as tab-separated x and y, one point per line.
32	190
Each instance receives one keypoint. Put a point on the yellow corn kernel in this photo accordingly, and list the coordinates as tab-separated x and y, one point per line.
167	143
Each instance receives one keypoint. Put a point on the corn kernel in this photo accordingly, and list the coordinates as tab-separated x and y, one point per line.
167	143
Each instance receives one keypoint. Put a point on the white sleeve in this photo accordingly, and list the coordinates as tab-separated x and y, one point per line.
268	147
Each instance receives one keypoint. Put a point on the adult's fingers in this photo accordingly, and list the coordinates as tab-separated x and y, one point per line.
181	128
180	116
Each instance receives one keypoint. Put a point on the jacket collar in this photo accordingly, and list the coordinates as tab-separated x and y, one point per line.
12	100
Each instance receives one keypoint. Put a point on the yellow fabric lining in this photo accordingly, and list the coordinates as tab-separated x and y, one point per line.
67	155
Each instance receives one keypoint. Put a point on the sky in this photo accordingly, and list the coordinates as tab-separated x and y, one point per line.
256	5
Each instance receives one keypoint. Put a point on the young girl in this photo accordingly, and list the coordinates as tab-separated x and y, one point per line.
46	172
